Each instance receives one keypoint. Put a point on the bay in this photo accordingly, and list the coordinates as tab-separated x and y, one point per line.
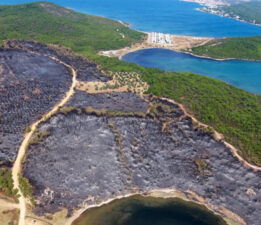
240	73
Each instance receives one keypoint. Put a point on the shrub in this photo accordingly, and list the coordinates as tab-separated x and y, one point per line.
7	184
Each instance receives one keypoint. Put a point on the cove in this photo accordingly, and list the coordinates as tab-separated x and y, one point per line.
166	16
138	210
240	73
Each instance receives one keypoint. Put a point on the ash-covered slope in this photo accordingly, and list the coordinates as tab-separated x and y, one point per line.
30	85
97	155
32	81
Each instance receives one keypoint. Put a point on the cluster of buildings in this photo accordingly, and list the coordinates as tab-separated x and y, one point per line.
209	3
160	38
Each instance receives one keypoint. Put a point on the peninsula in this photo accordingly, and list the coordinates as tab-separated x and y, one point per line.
227	48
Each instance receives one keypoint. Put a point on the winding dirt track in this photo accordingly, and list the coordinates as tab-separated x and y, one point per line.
16	170
219	137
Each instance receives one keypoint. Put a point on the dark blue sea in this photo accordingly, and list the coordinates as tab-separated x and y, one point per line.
240	73
176	17
167	16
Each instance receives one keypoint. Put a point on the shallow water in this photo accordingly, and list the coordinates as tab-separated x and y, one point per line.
139	210
167	16
240	73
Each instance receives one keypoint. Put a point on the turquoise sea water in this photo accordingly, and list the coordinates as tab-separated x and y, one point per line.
242	74
167	16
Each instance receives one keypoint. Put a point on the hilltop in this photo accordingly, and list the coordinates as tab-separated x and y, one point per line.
49	23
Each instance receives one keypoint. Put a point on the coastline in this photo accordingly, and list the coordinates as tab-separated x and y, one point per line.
219	59
179	43
206	10
189	42
167	193
209	5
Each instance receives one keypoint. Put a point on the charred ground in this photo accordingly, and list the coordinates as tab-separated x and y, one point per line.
31	83
99	153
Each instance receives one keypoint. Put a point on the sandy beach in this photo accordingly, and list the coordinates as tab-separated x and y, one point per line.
179	43
159	40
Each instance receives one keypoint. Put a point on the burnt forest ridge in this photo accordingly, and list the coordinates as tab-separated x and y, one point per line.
78	129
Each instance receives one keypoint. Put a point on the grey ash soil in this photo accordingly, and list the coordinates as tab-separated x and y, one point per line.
86	70
123	102
31	83
102	157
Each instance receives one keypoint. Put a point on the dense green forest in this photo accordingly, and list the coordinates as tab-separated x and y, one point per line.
49	23
247	11
232	111
241	48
